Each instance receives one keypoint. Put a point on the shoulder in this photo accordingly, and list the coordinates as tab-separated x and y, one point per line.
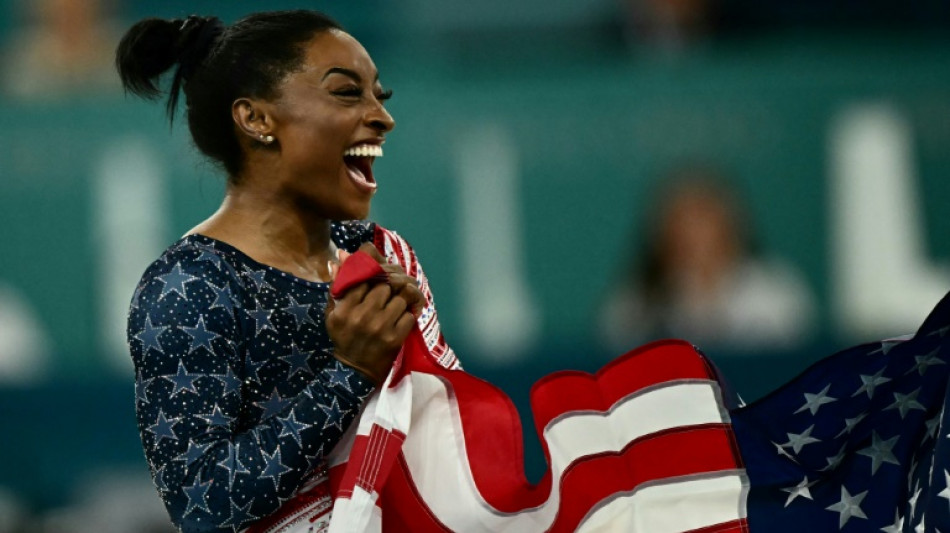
192	273
187	260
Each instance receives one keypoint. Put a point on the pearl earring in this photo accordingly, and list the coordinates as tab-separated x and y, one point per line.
266	139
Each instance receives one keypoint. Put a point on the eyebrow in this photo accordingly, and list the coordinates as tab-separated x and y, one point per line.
349	73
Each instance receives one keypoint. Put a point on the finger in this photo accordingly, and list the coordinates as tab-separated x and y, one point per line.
393	269
414	298
378	296
404	325
370	248
354	296
395	307
400	281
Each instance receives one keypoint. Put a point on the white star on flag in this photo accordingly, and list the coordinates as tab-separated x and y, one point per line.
945	493
850	423
848	507
814	401
880	451
905	402
798	440
926	361
869	383
897	526
802	489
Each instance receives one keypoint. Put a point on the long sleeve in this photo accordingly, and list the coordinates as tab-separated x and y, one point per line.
236	405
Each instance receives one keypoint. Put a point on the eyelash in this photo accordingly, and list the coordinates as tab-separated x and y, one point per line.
356	92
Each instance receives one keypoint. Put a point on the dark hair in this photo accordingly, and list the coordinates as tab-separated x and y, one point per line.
216	65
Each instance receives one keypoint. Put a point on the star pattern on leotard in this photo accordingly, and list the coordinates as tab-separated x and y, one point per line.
297	360
274	468
164	428
149	336
197	495
200	336
300	312
273	405
233	382
174	282
182	380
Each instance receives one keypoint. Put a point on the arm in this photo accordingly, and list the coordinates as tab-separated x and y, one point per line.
212	473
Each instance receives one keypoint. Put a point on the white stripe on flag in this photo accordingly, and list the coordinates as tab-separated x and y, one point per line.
670	405
673	506
361	511
444	479
392	410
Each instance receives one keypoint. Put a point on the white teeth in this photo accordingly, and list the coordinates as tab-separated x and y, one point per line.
365	150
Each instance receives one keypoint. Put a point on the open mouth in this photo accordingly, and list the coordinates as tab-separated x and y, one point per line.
359	165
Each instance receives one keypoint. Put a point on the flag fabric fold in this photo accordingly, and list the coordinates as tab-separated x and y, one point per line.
440	450
651	443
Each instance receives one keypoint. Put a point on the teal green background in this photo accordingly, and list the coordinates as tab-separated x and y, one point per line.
592	139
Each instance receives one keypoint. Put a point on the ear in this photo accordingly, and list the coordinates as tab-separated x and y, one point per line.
253	119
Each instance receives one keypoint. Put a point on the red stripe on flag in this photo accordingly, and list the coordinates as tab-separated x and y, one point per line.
494	441
374	454
586	483
658	362
667	455
382	448
403	508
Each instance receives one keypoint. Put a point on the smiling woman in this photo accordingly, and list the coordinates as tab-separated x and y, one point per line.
247	373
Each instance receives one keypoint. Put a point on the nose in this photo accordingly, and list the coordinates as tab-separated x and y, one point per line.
379	118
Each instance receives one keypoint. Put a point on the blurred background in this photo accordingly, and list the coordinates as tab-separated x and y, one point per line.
767	179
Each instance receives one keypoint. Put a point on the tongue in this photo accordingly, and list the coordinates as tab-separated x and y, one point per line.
361	172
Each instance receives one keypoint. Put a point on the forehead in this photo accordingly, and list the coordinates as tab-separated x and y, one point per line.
335	48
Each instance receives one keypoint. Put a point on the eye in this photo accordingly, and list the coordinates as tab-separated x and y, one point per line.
351	91
385	95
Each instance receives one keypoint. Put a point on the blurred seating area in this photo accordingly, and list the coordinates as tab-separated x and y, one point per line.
533	141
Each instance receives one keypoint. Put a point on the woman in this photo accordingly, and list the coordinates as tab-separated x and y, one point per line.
701	277
245	377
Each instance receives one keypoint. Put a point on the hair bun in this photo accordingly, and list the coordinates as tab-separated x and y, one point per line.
153	46
196	37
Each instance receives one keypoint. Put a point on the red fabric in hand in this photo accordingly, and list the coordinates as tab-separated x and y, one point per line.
359	267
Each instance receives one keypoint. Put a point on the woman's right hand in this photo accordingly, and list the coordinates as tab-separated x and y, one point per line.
370	322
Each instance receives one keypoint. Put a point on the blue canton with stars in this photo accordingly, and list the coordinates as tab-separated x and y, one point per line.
237	397
859	442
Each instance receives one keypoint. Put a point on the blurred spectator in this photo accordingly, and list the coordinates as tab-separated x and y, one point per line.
24	343
668	26
64	47
699	278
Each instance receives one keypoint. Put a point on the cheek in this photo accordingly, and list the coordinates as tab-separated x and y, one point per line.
313	147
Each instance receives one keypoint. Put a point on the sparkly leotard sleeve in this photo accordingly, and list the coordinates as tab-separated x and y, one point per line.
237	395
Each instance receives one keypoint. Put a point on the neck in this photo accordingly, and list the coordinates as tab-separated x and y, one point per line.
273	230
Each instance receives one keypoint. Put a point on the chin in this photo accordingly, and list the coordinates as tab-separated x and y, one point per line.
355	212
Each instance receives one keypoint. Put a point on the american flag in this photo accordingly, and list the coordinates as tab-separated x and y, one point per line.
858	442
653	443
